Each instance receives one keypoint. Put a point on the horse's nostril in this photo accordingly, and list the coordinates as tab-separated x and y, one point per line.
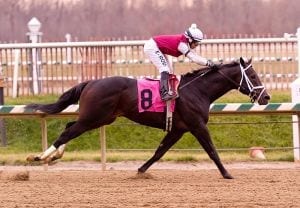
267	97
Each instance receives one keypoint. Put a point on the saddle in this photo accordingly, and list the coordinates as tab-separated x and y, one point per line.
149	97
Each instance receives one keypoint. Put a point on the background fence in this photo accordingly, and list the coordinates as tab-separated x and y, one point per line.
51	68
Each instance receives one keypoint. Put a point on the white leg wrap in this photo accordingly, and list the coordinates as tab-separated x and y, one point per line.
60	151
48	152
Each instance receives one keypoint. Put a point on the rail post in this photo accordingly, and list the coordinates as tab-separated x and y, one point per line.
298	47
2	123
44	138
296	99
16	73
34	35
69	50
103	147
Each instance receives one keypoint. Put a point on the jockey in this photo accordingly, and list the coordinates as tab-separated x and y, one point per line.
175	45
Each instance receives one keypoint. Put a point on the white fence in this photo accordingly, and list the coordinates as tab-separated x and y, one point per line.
51	68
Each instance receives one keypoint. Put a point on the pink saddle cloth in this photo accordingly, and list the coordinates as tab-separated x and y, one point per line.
149	97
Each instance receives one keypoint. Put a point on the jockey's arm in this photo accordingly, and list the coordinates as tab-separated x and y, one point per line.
197	59
184	49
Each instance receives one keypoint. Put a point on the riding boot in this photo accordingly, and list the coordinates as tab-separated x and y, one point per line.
165	94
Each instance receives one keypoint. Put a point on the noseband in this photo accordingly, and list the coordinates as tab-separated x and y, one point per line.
255	92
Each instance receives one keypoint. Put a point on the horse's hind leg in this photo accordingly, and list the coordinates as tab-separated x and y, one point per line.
70	124
61	149
72	131
51	154
204	139
169	140
57	154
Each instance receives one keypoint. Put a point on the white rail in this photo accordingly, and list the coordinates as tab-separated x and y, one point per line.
39	64
138	43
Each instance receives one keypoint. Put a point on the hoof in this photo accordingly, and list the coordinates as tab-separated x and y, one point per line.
51	160
228	176
140	171
32	158
54	158
140	175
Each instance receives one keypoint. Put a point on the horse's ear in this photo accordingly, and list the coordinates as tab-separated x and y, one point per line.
242	62
250	60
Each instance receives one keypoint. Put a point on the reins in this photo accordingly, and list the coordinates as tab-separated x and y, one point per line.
188	83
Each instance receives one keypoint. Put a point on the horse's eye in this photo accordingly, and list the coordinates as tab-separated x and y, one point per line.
252	76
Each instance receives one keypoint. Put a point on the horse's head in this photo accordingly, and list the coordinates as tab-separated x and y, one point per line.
251	85
241	75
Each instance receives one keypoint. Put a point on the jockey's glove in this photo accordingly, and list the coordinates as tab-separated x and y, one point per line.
212	65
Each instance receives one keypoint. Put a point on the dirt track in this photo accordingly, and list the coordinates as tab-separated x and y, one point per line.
165	185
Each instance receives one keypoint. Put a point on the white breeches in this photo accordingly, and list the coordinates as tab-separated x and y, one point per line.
156	56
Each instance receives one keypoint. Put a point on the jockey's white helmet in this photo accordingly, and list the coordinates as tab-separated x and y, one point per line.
193	33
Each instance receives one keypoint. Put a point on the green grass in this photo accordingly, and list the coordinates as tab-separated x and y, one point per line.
24	135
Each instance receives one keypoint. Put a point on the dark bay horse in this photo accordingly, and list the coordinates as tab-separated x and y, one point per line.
102	101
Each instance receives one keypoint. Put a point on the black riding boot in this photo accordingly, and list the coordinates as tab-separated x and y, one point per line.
164	87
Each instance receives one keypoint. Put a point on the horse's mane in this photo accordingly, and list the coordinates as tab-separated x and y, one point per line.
205	70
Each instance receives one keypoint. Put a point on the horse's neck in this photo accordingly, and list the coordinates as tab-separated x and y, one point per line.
217	88
214	85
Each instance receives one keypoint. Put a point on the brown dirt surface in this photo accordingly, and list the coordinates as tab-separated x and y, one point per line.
81	184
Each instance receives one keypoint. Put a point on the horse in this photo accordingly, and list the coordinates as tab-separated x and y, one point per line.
102	101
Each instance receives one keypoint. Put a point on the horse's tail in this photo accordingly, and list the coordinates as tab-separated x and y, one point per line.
67	98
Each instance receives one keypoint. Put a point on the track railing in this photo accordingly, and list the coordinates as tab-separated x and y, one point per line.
19	111
51	68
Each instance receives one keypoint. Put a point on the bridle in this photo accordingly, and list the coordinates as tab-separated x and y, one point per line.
255	92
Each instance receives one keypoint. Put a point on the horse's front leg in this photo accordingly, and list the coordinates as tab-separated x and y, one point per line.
203	136
169	140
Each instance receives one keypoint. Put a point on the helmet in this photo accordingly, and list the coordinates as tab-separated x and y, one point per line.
193	33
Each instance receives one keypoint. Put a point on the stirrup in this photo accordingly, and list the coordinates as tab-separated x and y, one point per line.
168	96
